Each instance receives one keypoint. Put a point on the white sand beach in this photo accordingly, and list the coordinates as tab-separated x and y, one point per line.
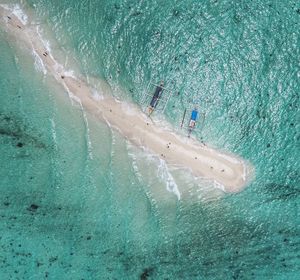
226	169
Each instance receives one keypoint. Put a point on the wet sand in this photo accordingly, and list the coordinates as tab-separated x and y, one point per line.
228	171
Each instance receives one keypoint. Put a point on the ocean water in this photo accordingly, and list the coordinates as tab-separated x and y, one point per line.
79	202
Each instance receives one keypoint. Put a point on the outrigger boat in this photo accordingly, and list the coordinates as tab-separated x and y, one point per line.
156	97
159	99
192	122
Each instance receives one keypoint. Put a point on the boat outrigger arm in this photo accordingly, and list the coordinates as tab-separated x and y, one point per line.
156	97
192	123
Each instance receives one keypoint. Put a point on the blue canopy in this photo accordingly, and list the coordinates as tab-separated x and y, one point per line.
194	115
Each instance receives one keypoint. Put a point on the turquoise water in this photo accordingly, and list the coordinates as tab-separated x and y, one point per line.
78	202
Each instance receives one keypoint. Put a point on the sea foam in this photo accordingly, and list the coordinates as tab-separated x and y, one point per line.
167	177
17	11
38	62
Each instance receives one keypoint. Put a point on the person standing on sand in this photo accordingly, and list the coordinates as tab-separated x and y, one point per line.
157	94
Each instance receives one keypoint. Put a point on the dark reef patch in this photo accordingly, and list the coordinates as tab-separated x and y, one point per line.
146	273
20	144
18	132
53	259
137	13
281	191
33	207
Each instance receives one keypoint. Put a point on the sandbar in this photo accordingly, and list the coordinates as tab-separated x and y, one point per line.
228	171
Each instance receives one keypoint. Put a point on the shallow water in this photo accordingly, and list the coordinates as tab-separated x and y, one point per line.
79	202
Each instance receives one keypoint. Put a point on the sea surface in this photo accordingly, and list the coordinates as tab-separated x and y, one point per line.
79	202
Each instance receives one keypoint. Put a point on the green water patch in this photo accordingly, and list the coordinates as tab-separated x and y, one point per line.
17	134
66	213
44	177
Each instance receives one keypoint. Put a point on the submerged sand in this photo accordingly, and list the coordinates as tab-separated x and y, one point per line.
228	171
